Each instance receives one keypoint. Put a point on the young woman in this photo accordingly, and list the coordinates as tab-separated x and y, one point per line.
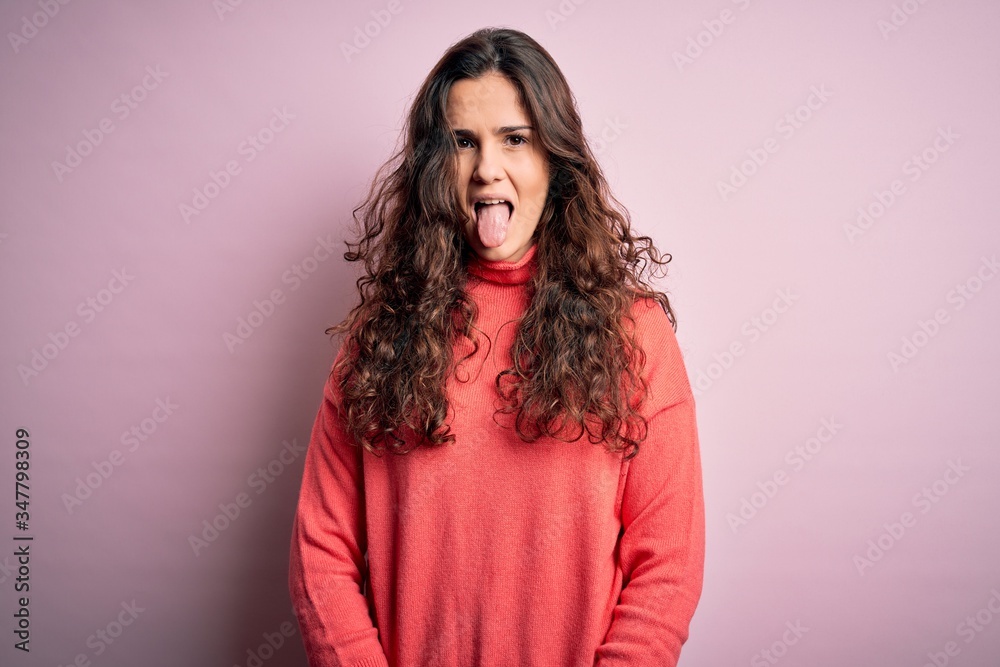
451	510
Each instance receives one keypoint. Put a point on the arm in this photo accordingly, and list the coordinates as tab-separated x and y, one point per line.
662	548
327	550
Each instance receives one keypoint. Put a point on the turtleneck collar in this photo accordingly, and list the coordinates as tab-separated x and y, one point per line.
505	272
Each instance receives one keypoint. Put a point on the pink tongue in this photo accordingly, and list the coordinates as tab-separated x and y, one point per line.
492	221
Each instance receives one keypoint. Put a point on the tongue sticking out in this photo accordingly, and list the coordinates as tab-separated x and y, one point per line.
492	220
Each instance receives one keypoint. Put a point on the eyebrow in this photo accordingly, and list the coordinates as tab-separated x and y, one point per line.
499	130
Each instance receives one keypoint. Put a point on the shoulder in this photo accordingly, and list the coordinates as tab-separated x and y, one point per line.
333	397
648	313
653	330
664	367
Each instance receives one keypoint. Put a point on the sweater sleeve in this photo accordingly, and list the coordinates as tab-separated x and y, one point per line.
662	544
329	540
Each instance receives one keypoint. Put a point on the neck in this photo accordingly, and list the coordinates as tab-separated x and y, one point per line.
505	272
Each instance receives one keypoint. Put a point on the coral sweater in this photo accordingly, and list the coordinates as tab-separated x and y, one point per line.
495	552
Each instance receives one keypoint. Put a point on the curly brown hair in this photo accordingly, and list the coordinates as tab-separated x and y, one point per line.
575	363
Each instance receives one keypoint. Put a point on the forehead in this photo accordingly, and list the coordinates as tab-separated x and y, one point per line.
490	99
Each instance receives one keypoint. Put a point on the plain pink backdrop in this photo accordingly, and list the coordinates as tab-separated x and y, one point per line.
790	312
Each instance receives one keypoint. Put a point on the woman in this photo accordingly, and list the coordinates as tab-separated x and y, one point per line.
451	512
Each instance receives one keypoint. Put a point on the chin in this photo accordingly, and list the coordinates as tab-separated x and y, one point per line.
505	252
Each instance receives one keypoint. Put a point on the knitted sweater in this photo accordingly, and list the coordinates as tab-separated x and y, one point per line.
491	551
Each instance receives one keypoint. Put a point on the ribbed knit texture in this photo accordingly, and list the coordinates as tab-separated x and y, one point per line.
496	552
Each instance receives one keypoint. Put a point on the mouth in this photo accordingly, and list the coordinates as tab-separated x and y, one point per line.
479	204
492	216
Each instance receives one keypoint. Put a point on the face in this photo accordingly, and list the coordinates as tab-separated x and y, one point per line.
498	158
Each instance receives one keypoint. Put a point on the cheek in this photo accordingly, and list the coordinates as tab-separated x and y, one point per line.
462	186
542	179
463	172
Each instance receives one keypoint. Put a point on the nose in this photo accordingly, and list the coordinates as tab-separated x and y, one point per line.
488	167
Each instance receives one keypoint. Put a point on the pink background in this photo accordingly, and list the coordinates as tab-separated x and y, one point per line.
668	132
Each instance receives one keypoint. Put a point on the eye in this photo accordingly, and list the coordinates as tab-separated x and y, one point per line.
520	139
459	140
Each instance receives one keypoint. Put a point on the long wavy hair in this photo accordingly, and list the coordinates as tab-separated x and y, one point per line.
576	366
